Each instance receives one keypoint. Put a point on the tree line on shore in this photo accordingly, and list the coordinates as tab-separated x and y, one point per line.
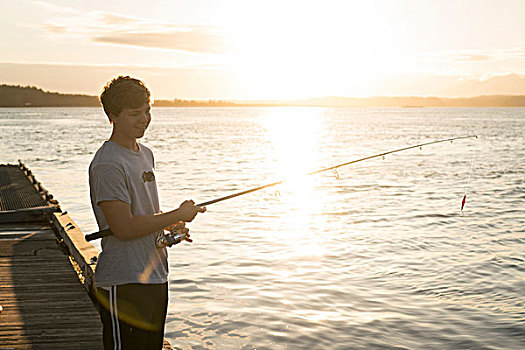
30	96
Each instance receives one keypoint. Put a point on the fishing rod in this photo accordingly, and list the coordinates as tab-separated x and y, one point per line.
174	239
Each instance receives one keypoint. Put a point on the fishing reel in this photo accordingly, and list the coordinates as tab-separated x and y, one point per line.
170	238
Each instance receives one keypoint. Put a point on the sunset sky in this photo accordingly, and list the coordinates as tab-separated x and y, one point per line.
284	49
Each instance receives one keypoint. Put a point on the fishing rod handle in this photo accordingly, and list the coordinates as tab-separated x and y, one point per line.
164	241
99	234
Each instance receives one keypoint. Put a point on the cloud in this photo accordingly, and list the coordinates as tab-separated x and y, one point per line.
475	55
114	19
502	54
112	28
518	52
189	39
62	10
474	58
53	28
511	84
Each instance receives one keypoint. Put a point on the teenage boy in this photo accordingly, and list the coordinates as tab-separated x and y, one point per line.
131	273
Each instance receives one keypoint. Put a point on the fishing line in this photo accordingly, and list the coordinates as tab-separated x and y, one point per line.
107	232
463	201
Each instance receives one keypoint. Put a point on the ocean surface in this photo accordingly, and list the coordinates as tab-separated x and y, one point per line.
375	256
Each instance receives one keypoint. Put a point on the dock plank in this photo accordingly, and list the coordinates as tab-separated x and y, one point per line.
45	306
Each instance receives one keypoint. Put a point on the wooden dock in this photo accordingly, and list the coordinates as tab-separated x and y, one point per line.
46	270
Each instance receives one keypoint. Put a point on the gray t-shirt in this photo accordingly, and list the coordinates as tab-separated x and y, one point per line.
116	173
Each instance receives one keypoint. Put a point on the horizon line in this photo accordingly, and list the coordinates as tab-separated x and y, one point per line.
273	99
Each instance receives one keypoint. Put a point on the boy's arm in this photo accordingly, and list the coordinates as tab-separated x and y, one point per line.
126	226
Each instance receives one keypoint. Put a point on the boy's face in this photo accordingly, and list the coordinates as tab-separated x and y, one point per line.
133	122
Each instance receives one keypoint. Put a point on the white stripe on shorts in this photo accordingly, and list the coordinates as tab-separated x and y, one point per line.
114	317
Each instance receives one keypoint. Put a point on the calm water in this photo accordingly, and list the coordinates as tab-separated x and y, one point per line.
380	258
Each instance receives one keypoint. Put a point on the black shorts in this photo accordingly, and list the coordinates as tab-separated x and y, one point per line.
133	315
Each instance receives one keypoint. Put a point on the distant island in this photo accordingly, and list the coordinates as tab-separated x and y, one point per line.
30	96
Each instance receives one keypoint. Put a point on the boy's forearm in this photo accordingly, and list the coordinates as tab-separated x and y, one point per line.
142	225
127	226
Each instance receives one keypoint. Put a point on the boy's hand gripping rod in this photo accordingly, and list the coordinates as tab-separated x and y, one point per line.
174	239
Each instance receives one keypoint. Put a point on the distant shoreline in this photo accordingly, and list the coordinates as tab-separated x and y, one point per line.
12	96
273	106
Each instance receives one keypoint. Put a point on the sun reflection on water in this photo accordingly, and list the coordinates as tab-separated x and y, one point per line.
295	135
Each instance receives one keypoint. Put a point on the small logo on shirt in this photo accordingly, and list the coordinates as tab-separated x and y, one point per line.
148	176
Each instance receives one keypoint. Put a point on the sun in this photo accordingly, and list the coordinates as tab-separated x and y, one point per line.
298	58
